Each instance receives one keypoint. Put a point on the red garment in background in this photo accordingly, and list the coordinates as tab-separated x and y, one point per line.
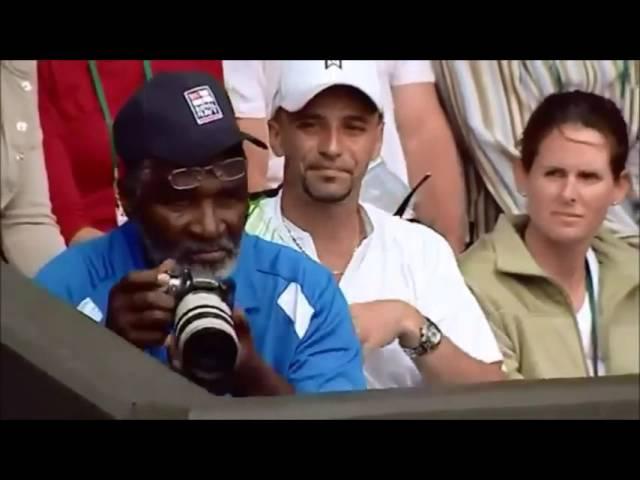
75	136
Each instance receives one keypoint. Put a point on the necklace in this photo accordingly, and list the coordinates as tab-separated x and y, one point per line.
337	273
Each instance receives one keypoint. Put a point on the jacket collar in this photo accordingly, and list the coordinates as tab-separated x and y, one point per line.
513	257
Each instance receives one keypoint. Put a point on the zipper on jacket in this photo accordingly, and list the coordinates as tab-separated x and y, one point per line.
574	316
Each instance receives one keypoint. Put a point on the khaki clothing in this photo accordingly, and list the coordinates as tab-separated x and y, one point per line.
29	233
533	319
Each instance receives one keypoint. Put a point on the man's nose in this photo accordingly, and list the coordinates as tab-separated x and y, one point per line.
206	222
331	143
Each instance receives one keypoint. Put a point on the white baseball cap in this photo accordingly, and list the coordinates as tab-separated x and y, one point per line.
301	80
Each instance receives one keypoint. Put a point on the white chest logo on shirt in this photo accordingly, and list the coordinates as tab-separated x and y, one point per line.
203	104
297	308
90	309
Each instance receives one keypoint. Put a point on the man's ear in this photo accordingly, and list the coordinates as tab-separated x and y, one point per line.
275	137
125	196
378	149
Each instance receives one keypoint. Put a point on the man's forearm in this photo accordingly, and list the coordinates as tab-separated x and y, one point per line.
84	234
441	201
258	161
429	147
441	205
448	364
257	158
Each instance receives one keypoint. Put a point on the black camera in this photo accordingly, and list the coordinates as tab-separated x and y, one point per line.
204	331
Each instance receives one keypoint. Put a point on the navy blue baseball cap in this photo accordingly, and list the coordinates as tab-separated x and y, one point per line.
178	118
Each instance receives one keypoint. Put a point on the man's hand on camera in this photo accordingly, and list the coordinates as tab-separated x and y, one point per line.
173	353
247	356
252	375
140	310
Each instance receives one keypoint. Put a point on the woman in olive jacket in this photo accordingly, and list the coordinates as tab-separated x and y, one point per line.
561	292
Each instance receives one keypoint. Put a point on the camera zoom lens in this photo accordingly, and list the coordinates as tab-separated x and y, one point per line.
205	335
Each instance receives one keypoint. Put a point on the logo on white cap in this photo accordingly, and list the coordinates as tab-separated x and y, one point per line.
332	63
301	80
203	104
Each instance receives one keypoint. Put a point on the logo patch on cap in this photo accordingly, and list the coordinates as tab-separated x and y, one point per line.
332	63
203	104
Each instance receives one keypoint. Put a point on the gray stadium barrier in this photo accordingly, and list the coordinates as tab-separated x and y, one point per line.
606	398
56	363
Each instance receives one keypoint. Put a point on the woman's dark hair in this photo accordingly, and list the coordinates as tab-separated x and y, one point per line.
578	107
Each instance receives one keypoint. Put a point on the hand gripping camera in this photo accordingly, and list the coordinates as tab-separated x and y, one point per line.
203	325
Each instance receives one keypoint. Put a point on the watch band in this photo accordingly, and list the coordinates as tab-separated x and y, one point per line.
430	338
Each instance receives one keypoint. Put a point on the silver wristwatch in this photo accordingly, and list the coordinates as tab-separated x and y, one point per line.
430	338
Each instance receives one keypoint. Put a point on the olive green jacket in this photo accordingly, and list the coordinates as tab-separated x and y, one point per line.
532	317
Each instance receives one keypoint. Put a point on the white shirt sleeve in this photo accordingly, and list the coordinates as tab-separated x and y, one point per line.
405	72
448	302
246	84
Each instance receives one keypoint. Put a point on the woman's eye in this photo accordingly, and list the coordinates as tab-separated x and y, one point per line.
590	176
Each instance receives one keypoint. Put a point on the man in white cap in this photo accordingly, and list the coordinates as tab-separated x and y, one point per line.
412	310
417	139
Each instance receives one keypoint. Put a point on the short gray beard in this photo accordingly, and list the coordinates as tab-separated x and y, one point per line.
198	270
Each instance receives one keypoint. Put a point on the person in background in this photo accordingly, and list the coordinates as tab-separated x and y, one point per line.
561	291
185	193
78	100
416	319
488	104
30	234
417	140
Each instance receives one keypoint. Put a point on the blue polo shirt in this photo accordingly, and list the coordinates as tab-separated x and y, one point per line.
299	319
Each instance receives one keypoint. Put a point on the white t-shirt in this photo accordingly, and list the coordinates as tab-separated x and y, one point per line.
403	261
584	317
252	85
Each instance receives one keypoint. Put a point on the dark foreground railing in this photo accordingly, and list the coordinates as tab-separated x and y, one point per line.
56	363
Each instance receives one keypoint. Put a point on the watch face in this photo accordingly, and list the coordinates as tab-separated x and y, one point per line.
434	335
430	337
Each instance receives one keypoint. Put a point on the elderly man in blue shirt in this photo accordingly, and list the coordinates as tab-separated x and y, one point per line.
184	193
